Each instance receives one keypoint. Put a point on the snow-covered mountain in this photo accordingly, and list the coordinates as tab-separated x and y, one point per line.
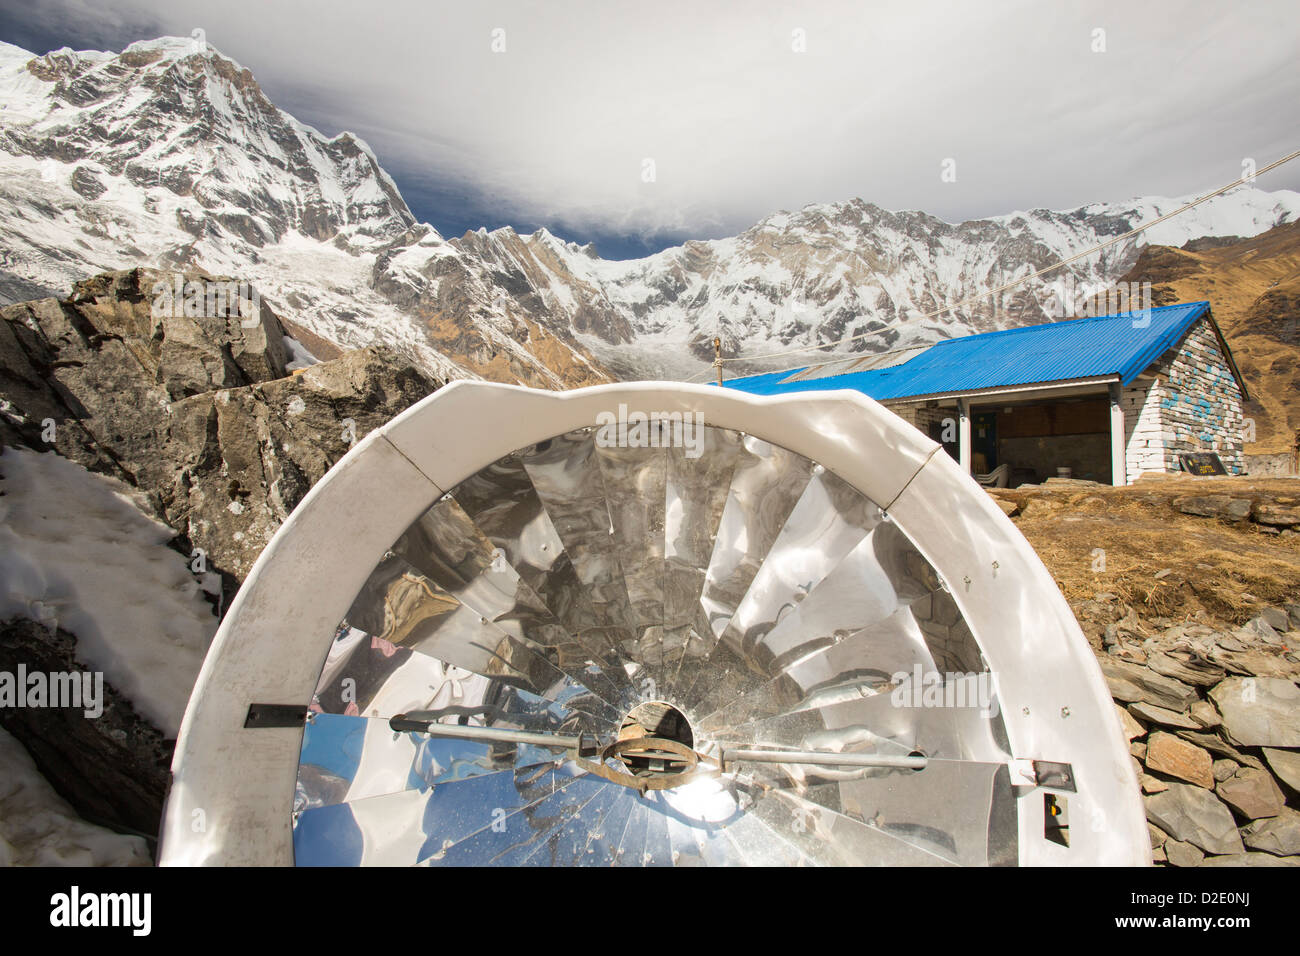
170	154
843	269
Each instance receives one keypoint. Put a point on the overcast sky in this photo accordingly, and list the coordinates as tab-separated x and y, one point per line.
557	113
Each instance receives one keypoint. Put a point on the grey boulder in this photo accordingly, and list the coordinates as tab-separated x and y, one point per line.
1259	711
1193	814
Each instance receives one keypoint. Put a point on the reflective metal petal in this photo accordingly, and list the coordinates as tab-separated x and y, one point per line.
756	594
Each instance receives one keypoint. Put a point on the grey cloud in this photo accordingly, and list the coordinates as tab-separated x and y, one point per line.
738	124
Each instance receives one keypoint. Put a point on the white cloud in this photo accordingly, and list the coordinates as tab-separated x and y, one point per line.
738	124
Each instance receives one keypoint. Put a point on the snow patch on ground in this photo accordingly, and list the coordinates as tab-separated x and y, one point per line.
301	357
38	828
76	550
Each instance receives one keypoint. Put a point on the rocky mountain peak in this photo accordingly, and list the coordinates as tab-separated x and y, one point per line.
169	154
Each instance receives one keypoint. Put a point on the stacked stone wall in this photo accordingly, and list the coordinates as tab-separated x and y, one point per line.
1200	403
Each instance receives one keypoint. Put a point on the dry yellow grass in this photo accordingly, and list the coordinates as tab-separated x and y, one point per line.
1227	570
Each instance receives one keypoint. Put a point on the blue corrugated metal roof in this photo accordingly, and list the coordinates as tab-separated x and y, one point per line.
1124	344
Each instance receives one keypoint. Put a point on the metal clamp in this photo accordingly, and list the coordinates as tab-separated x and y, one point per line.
696	766
1041	773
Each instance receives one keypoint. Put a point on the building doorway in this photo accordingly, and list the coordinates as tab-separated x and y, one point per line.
984	442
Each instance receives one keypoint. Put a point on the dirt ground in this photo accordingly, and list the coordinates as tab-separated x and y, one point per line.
1135	544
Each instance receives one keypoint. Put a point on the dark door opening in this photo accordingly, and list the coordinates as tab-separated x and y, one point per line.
984	442
946	435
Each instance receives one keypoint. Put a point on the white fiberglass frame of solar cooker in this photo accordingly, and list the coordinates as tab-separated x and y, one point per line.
803	573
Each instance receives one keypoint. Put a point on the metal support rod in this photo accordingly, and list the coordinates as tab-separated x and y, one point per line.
411	725
824	759
404	724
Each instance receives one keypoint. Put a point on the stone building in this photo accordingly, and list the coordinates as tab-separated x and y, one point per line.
1103	398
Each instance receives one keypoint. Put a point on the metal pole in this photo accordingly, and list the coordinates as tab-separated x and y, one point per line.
403	724
824	759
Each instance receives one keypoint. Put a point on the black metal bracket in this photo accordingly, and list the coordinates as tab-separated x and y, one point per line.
276	715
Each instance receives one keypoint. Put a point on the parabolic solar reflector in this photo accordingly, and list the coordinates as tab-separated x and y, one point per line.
650	625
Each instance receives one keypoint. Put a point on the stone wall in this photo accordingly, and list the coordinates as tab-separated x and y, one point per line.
922	417
1144	432
1200	404
906	412
1280	463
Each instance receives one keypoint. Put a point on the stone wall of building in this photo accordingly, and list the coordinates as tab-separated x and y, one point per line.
1144	432
1200	403
906	412
922	417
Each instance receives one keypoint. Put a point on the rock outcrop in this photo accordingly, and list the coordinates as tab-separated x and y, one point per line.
112	769
200	413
